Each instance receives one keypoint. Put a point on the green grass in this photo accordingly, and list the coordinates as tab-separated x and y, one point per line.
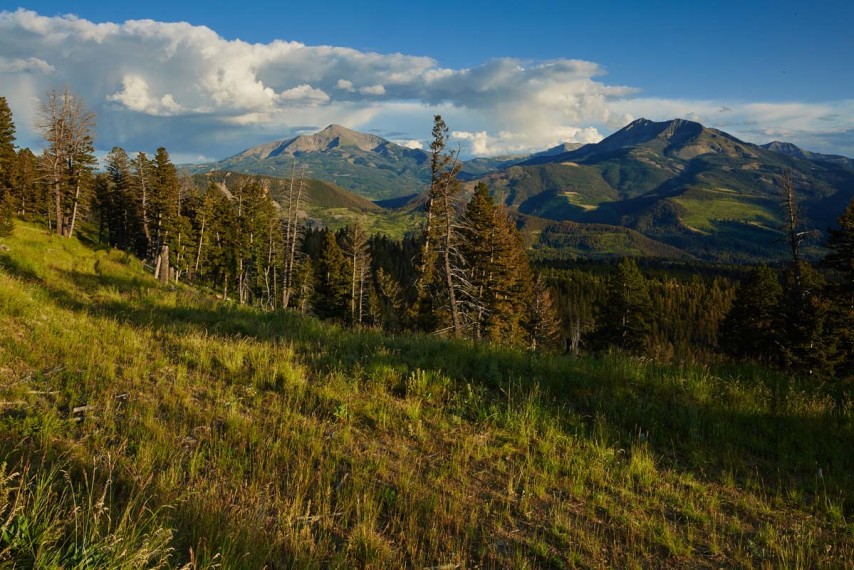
703	207
221	436
392	223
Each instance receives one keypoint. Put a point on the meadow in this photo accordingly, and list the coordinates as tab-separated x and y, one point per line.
146	426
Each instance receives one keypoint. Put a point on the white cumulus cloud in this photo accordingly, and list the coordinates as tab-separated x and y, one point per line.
135	96
304	93
8	65
411	143
187	88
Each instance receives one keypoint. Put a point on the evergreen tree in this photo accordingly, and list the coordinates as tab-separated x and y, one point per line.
28	195
101	203
499	271
389	301
123	202
201	210
625	321
441	268
841	326
292	233
6	214
841	246
139	194
750	329
7	146
163	203
542	323
804	313
254	215
8	162
333	281
221	253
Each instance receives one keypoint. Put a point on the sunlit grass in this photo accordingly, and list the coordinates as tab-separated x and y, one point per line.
221	435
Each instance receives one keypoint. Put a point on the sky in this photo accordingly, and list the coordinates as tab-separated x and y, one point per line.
208	80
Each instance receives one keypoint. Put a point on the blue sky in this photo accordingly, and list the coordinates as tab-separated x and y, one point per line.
757	68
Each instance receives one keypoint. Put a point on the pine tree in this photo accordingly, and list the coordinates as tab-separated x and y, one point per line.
750	329
254	213
6	214
804	314
29	196
8	163
333	281
542	323
626	317
499	271
841	246
119	213
139	193
390	301
841	326
442	274
303	286
221	253
163	208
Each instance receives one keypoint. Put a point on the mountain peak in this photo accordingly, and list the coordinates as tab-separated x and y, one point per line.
336	130
637	123
331	138
335	136
643	131
788	148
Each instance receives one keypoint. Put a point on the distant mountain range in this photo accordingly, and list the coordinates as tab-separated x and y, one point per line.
679	183
797	152
675	188
372	166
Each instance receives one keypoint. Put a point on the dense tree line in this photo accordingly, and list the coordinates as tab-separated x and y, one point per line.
465	274
664	313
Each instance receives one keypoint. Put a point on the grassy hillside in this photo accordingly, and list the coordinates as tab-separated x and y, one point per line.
145	426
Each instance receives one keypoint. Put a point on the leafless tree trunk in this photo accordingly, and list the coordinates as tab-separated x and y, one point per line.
74	210
356	248
67	130
292	234
794	235
201	239
454	307
161	268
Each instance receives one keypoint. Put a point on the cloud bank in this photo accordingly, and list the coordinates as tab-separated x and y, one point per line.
185	87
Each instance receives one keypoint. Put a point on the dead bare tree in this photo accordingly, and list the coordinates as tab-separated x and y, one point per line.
68	157
795	236
357	251
292	232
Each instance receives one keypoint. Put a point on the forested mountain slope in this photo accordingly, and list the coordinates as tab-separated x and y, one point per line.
698	189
